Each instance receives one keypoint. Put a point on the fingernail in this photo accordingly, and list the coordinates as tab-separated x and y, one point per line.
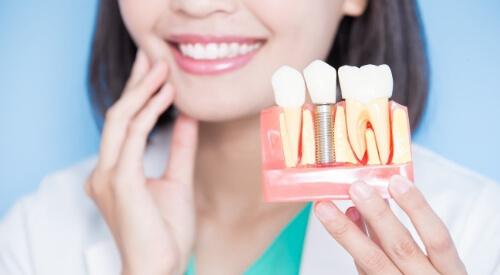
353	214
361	190
399	185
326	210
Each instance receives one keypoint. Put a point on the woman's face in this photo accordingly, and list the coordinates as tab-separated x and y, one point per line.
222	53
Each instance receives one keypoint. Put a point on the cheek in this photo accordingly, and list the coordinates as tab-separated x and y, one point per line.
304	31
140	17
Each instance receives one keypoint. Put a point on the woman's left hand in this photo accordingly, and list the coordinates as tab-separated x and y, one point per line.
387	247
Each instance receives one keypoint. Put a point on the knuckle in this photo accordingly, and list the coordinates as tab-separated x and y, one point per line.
113	114
418	203
374	261
441	241
177	142
95	185
380	211
405	248
88	188
137	127
115	180
339	229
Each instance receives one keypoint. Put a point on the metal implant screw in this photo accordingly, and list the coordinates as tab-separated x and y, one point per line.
324	134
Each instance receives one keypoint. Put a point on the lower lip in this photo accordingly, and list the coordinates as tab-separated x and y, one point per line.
211	67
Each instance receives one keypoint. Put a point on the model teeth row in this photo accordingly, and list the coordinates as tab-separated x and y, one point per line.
366	91
214	51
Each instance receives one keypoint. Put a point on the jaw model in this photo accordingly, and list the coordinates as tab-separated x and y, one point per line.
371	139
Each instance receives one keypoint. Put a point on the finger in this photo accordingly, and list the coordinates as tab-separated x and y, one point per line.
141	67
131	156
183	146
431	229
119	115
368	256
372	234
394	238
353	214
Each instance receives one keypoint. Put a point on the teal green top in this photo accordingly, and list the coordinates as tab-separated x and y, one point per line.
283	255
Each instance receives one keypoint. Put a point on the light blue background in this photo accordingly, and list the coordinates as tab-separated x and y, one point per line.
46	122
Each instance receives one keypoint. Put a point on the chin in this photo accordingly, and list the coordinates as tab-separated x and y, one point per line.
215	111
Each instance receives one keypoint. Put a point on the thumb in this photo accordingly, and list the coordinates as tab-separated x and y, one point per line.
180	167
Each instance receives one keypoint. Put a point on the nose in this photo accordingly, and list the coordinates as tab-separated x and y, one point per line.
203	8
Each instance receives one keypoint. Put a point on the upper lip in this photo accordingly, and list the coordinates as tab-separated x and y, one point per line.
206	39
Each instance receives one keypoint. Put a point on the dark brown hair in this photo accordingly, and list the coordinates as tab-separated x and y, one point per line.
389	32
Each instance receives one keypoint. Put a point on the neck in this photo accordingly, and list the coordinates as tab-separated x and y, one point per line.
228	167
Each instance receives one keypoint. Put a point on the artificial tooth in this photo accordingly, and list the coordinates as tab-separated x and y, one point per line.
290	94
308	144
343	152
372	151
321	81
366	91
400	137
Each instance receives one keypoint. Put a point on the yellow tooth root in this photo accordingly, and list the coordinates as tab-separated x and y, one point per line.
379	119
308	146
400	138
293	117
377	114
371	146
286	143
343	152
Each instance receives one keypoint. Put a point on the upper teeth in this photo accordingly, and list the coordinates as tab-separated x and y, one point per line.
217	51
366	83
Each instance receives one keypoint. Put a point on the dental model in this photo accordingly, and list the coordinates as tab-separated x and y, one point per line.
366	137
290	95
321	80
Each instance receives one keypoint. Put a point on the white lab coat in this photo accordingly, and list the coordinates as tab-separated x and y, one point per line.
58	230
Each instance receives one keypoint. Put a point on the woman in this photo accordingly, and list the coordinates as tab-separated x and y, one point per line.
203	214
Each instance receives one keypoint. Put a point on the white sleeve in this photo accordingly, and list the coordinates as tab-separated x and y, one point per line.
479	244
15	252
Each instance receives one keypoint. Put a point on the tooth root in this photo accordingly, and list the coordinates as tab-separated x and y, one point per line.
357	120
286	143
343	152
308	147
400	138
379	118
377	113
373	157
293	117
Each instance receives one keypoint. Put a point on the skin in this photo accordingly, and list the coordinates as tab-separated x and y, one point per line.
209	199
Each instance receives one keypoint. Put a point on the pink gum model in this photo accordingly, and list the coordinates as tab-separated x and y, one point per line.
311	182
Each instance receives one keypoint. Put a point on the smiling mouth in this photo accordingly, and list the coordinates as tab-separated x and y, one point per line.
215	51
199	54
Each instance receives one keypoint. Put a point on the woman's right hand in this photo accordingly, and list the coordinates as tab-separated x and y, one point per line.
152	220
